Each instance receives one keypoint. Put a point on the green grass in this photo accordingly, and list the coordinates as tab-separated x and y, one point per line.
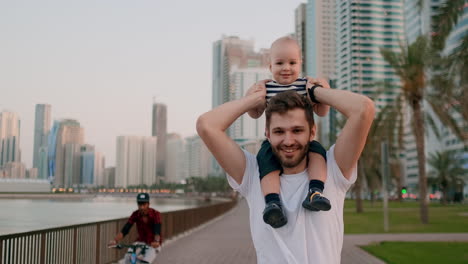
404	218
420	252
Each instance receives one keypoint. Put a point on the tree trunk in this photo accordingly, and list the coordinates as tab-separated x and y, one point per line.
418	128
444	193
358	189
396	169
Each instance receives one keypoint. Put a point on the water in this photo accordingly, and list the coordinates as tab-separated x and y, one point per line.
23	215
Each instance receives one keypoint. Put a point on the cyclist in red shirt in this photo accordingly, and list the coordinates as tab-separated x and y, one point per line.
148	222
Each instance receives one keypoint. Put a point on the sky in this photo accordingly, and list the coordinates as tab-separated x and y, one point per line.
104	62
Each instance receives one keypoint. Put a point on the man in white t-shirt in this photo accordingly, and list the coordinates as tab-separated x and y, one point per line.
308	237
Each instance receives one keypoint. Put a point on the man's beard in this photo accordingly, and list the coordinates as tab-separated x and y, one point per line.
291	163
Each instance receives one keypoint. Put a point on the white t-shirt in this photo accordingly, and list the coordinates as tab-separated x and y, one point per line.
308	237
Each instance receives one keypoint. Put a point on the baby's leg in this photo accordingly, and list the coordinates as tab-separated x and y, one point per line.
317	170
270	168
270	183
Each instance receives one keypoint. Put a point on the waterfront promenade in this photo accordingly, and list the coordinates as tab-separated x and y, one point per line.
227	240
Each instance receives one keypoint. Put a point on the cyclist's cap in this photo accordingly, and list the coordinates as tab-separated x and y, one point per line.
143	198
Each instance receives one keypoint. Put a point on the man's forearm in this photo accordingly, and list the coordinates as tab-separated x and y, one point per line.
359	111
345	102
221	117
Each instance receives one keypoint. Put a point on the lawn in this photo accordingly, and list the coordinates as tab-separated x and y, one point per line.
420	252
404	218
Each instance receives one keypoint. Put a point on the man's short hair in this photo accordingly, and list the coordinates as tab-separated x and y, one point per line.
289	100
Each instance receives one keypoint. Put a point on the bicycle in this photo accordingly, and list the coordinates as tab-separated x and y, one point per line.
135	254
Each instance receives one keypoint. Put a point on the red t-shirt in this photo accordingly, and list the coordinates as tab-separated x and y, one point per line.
145	224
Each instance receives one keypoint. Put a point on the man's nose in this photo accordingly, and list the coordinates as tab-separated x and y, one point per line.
288	139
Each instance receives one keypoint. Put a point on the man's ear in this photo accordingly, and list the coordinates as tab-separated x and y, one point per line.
267	134
312	132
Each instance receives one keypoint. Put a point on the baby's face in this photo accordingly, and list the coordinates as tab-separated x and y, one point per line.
285	62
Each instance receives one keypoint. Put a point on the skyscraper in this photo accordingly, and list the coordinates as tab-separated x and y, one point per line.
159	130
300	15
241	80
69	132
87	160
9	138
229	52
42	124
135	163
419	20
198	157
176	164
363	27
319	49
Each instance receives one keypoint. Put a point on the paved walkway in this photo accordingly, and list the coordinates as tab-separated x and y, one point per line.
223	241
227	240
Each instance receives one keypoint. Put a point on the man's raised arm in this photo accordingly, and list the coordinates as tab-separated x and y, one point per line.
211	127
359	111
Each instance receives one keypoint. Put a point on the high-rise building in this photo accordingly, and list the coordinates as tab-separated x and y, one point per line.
150	147
99	167
52	150
176	164
229	52
159	130
9	138
419	19
42	124
241	80
42	169
320	50
363	28
198	157
109	177
300	15
87	159
67	160
135	161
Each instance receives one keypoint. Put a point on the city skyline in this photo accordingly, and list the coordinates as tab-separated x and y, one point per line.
104	72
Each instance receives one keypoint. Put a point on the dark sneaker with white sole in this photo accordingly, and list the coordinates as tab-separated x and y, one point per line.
274	215
315	201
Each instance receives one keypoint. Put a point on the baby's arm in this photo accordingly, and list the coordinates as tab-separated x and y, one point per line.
319	109
258	110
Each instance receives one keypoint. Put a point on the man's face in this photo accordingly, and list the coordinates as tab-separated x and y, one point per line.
289	135
285	62
143	207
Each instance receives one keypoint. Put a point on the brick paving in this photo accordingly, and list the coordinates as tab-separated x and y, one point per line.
227	240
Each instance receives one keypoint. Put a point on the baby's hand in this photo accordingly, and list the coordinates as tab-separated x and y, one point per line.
259	88
319	109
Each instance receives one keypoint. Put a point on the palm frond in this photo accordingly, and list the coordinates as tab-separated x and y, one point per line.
443	23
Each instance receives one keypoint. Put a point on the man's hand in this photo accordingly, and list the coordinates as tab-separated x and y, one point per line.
116	240
155	244
258	88
112	243
319	109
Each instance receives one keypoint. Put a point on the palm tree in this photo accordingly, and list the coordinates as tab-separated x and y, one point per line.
447	170
450	80
410	65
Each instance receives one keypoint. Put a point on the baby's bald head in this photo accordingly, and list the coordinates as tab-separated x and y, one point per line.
285	41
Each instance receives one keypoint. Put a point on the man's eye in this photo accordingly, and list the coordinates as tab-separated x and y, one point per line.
278	132
279	63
